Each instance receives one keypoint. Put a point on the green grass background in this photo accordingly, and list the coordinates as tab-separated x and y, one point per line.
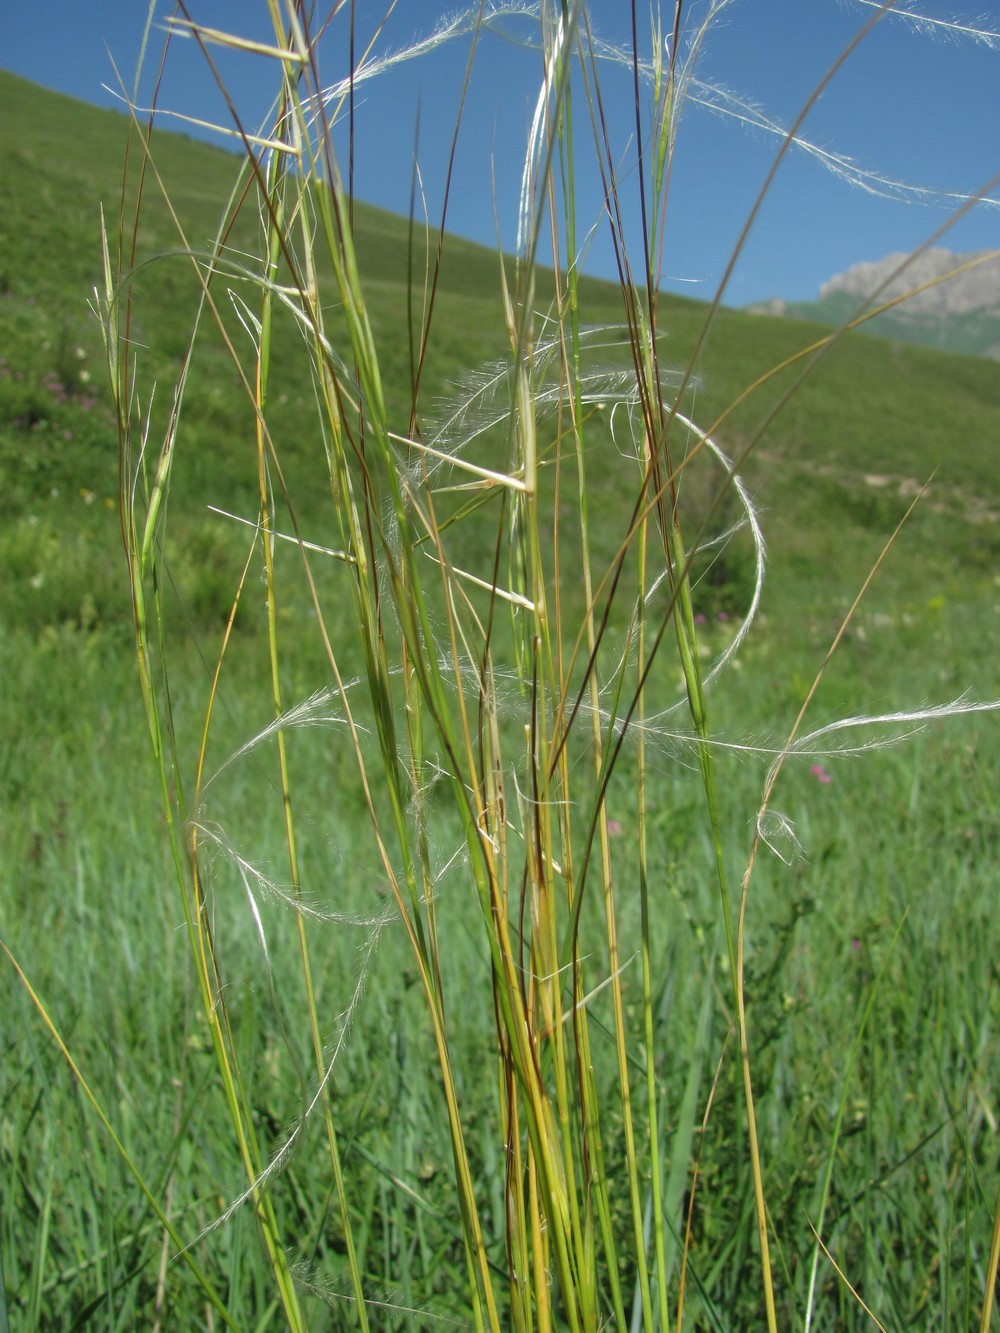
894	896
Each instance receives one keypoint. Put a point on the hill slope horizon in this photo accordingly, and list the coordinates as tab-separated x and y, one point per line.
833	469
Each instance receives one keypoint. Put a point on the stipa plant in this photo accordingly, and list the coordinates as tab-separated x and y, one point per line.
510	641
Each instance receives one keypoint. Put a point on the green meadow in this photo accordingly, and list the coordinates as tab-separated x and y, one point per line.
871	939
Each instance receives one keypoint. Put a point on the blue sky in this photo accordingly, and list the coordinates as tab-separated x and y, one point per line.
918	102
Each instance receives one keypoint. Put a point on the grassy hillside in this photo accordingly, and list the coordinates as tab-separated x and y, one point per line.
871	963
875	410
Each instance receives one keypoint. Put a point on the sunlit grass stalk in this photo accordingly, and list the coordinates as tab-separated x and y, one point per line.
143	566
653	1091
664	103
568	317
277	220
989	1286
591	1109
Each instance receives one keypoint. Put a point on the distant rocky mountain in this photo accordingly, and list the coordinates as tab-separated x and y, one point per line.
959	313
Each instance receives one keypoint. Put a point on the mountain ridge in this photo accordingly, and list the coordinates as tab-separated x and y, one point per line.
955	307
962	283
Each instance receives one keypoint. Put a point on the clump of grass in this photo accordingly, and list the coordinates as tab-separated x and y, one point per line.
479	789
